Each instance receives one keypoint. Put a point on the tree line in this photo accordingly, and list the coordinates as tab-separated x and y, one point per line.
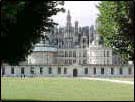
116	24
22	25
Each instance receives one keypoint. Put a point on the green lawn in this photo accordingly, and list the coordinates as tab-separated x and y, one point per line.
64	89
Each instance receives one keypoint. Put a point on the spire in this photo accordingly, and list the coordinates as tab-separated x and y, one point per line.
68	19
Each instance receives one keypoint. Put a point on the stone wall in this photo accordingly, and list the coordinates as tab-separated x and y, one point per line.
81	72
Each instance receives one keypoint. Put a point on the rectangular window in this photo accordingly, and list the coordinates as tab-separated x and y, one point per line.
120	71
32	70
50	70
94	70
41	70
74	61
74	54
65	70
112	71
70	53
70	61
66	54
84	61
107	53
86	70
102	70
22	70
129	71
84	54
59	70
12	70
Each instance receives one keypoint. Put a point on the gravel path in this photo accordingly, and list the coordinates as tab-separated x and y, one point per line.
103	79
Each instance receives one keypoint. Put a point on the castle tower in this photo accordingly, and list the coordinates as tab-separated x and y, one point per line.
76	32
68	26
68	20
91	35
83	41
68	36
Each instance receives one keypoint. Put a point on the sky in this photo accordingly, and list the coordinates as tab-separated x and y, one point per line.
85	12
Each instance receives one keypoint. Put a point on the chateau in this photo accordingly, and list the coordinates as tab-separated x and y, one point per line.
71	51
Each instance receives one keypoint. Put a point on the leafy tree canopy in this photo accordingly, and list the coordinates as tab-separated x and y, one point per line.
22	25
115	23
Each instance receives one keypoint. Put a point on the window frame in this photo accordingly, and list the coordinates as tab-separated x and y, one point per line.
59	70
102	71
120	71
12	70
85	71
32	70
41	70
112	71
22	70
50	70
65	70
94	71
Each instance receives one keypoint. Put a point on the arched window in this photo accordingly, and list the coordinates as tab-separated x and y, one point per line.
102	70
22	70
112	71
86	70
12	70
94	70
120	71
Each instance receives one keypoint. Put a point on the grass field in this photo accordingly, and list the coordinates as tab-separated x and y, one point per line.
64	89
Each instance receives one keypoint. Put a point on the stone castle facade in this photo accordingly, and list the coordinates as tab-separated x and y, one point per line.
71	51
73	45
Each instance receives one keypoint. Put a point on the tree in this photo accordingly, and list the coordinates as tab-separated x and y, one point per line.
22	25
115	23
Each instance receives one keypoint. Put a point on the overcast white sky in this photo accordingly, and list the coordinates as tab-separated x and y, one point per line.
85	12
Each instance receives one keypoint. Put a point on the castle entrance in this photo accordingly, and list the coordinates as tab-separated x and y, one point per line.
75	72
